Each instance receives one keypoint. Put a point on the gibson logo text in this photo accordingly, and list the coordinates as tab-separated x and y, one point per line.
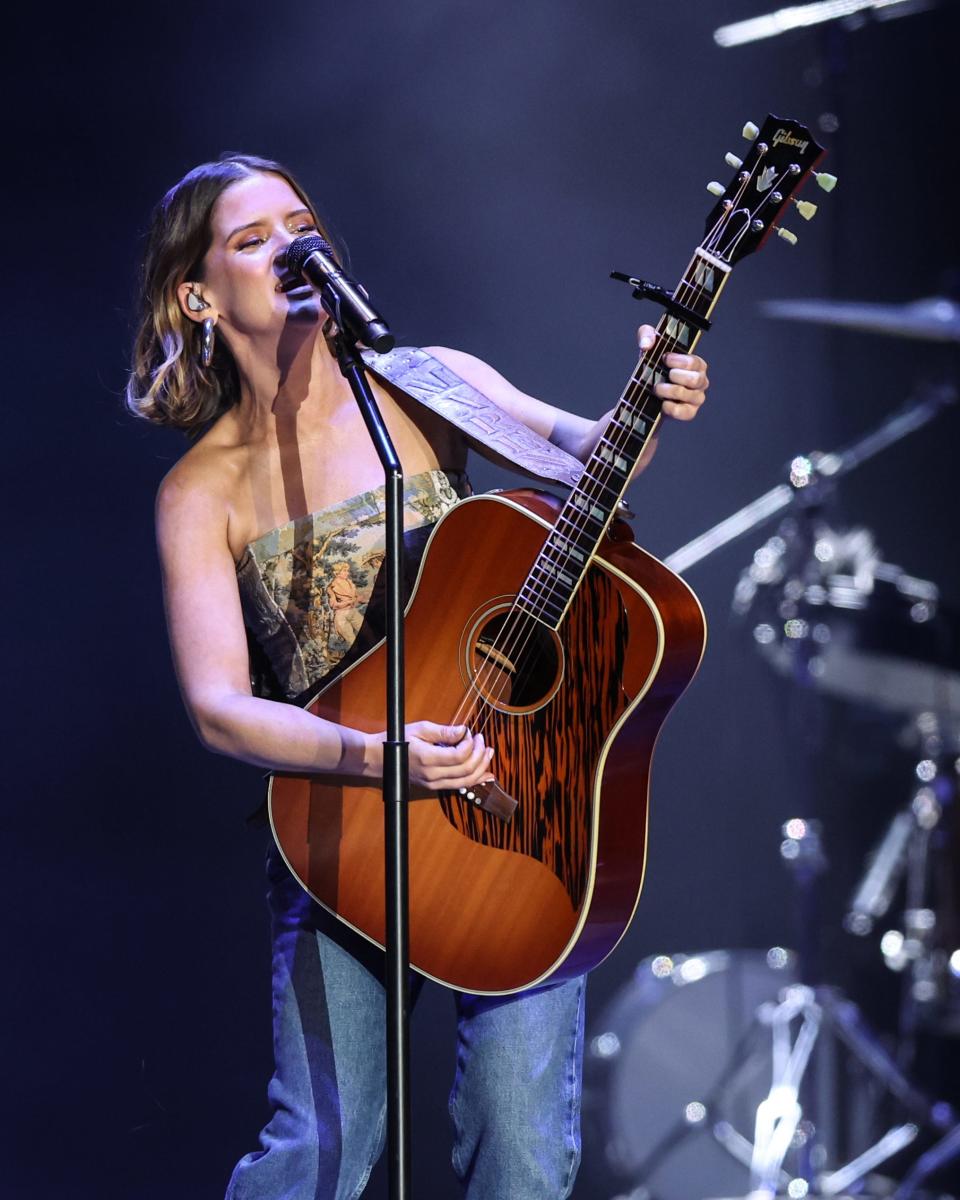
782	136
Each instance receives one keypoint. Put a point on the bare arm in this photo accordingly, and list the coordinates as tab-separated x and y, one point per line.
210	655
682	397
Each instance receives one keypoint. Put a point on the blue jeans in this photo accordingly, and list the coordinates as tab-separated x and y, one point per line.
515	1102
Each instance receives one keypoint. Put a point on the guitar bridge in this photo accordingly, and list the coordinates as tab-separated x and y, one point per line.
491	798
490	654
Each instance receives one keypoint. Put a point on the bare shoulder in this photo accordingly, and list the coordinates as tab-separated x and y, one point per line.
194	497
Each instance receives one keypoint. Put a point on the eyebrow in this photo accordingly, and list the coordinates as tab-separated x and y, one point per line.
263	220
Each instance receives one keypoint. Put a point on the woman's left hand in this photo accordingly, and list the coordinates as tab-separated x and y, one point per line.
685	392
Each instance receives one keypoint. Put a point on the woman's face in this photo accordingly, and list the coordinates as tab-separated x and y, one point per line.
253	221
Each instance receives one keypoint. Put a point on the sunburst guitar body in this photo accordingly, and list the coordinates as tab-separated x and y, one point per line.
503	901
540	624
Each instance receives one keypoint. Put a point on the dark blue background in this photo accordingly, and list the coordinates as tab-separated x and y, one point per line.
488	165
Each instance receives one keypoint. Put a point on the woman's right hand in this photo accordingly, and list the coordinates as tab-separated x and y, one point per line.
441	757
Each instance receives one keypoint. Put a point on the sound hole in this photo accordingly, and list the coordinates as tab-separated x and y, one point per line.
516	661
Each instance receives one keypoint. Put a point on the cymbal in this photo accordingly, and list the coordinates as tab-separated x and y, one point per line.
932	319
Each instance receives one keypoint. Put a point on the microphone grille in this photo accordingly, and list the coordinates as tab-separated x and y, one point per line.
300	250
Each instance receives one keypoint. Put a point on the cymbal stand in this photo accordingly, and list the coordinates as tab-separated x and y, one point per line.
796	1112
911	849
918	410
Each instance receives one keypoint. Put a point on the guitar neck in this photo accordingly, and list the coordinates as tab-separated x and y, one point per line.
559	568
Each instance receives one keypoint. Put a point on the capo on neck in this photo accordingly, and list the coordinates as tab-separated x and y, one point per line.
644	290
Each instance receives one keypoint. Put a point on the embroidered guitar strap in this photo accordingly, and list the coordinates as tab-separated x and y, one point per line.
486	426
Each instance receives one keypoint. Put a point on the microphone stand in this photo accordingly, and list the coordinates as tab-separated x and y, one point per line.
396	782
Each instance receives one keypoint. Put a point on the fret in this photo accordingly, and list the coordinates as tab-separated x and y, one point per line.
552	573
613	457
591	510
549	554
633	424
544	607
679	332
651	373
581	517
623	442
597	483
539	608
536	595
646	404
566	545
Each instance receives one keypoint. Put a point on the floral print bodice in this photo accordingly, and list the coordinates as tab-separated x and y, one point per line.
306	586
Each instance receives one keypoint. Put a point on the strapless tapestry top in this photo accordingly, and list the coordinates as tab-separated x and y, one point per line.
309	588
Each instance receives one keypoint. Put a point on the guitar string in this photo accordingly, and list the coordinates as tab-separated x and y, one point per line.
688	290
517	630
725	217
619	442
623	435
526	628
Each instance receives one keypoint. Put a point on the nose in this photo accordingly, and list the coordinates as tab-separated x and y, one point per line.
280	259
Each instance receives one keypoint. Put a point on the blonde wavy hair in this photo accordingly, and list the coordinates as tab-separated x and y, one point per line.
167	383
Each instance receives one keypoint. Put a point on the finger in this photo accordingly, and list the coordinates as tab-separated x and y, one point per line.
453	774
677	411
442	760
690	362
480	774
679	393
646	336
446	735
476	753
696	381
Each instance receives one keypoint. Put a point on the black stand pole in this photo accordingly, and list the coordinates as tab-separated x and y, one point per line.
395	785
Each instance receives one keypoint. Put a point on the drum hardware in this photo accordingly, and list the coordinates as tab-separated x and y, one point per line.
826	611
823	605
805	1086
697	1049
916	851
931	319
814	471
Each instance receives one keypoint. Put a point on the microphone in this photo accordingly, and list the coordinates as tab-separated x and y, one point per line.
343	298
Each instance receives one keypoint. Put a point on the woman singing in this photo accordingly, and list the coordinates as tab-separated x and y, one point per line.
271	525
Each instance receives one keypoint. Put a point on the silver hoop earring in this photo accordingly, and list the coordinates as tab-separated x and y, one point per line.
206	341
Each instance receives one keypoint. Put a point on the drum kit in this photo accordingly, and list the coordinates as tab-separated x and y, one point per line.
740	1073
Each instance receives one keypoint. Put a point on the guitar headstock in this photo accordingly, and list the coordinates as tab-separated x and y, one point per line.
780	159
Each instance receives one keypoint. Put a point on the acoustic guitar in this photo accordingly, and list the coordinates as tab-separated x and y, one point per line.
538	622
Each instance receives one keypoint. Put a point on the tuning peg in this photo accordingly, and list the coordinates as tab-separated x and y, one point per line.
750	131
715	189
732	161
827	182
788	236
806	209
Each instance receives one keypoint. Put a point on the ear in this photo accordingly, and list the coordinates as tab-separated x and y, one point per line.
193	304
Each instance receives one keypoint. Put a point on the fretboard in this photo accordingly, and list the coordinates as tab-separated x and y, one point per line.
560	566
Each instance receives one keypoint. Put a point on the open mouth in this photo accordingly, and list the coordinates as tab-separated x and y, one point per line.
293	284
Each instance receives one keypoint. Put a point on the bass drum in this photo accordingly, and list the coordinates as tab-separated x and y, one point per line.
673	1073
